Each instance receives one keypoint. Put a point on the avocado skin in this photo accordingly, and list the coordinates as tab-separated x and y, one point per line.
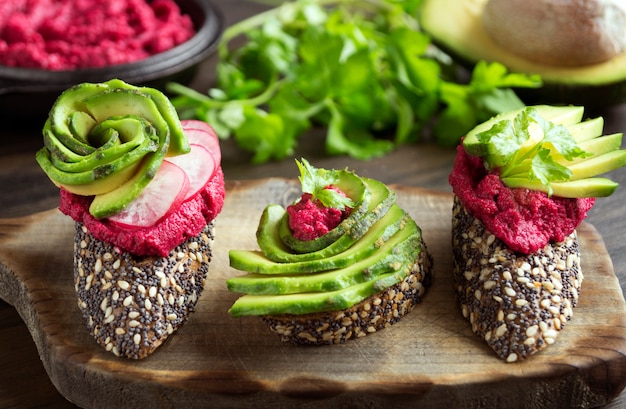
454	26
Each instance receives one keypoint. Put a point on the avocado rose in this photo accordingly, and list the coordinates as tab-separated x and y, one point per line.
108	140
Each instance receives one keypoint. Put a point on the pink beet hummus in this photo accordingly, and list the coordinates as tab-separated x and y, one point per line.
70	34
309	219
525	220
158	240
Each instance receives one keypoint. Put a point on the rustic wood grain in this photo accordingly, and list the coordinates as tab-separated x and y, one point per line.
430	358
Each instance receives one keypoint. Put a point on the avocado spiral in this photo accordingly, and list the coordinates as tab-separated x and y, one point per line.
108	140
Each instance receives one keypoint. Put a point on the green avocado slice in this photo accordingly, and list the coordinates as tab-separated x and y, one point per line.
560	115
356	189
255	262
396	254
596	154
588	187
69	102
118	102
274	249
178	141
307	303
115	147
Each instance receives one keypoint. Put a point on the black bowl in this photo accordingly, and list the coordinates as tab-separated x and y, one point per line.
29	93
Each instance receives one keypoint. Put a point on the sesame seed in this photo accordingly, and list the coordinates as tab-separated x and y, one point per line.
98	266
511	358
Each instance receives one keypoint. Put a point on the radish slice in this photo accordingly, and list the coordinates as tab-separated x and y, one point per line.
196	124
165	191
198	164
201	133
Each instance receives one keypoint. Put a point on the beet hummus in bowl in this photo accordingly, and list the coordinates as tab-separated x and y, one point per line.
144	42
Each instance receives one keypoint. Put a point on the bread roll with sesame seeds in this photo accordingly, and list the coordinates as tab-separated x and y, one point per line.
516	303
368	316
133	304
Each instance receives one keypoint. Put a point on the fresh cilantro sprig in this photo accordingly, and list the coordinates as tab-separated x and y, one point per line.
316	182
531	148
361	69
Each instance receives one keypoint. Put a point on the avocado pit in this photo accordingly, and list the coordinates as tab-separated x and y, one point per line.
567	33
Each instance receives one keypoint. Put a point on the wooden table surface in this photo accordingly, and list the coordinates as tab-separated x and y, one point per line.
23	380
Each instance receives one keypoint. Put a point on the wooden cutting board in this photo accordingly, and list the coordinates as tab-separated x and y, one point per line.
430	359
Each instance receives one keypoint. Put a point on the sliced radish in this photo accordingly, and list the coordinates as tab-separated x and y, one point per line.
203	134
196	124
165	191
198	164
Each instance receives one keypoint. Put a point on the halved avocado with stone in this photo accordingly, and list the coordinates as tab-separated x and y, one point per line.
456	26
272	246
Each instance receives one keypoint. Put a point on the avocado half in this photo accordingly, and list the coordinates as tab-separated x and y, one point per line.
455	26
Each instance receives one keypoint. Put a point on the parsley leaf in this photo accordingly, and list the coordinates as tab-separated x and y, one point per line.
361	69
527	148
487	94
316	182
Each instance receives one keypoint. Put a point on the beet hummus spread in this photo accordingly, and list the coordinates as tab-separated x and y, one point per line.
309	219
71	34
157	240
523	219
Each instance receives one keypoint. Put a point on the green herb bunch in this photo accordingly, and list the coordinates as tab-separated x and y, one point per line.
362	69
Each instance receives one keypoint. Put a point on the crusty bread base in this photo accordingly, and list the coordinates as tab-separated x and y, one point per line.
132	304
368	316
516	303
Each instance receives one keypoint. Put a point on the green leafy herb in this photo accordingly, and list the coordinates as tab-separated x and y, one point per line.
316	182
361	69
531	148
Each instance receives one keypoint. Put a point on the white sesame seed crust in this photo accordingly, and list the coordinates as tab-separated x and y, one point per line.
525	300
368	316
125	299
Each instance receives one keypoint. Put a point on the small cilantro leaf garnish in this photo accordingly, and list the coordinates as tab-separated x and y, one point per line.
317	182
528	147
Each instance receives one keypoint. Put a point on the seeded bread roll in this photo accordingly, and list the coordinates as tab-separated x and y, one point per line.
368	316
132	304
516	303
